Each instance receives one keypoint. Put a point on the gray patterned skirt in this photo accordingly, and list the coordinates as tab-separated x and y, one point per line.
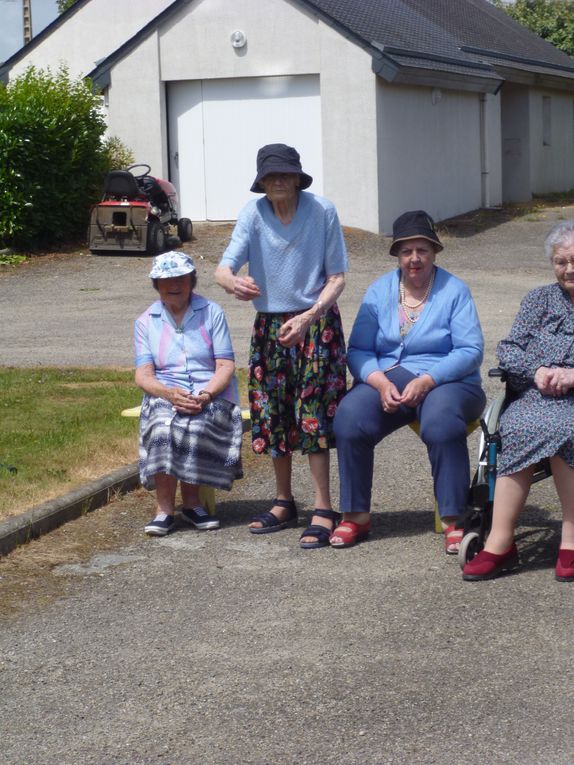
202	449
534	427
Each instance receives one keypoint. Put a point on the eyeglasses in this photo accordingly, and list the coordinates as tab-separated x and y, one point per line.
562	263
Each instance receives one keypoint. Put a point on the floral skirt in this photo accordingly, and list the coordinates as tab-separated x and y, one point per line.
294	392
534	427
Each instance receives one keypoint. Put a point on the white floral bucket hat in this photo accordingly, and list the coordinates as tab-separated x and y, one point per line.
171	264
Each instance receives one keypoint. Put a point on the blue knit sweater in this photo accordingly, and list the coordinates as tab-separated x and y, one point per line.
446	342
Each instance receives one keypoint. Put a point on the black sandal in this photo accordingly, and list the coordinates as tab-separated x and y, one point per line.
270	523
320	533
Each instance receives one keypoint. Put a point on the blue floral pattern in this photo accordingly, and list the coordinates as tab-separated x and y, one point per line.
535	426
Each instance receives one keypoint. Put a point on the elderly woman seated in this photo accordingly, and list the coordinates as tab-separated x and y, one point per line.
415	352
190	424
538	356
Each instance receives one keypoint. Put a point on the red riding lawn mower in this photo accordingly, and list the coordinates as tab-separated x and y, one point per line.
138	213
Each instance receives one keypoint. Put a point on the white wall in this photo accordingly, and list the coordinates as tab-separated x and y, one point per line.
281	39
136	106
349	111
90	35
552	167
515	121
429	152
492	152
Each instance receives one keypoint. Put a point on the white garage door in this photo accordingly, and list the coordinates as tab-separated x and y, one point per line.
217	126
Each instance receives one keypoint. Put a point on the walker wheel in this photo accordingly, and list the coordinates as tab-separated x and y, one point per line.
469	547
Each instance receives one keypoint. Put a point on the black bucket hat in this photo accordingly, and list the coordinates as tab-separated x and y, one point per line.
279	158
416	224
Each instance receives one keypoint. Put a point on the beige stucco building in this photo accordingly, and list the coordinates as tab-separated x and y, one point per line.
445	105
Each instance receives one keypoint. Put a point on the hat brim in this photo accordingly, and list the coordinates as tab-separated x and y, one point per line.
173	275
435	240
305	180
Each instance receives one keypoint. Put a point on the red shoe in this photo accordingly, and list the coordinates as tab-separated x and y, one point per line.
488	565
452	539
350	533
565	566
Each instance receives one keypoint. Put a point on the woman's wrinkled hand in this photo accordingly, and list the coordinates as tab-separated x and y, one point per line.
293	331
554	381
390	397
416	390
245	288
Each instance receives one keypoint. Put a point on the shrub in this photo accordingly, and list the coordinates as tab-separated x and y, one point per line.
52	158
117	156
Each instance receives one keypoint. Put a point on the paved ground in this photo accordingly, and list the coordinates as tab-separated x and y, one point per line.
220	648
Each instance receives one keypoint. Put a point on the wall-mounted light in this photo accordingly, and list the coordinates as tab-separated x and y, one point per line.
436	95
238	38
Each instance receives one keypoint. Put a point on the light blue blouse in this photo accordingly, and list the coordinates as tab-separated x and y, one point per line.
185	357
290	263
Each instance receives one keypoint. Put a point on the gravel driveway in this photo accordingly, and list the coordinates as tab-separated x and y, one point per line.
218	648
79	309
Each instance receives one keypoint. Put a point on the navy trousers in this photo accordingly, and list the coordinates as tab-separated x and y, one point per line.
361	423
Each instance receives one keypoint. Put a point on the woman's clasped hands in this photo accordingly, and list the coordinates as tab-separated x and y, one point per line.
554	381
187	403
413	394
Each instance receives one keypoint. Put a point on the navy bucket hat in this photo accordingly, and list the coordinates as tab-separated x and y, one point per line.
415	224
279	158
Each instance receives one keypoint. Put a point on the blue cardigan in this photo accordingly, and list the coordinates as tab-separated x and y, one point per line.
446	342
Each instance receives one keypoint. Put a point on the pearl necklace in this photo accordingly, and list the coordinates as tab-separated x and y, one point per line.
413	315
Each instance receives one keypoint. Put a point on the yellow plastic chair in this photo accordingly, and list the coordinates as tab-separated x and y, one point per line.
470	428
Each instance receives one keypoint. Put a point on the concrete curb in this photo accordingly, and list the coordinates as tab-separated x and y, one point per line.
49	515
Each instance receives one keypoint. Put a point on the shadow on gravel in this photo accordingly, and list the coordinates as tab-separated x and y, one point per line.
477	221
538	538
121	254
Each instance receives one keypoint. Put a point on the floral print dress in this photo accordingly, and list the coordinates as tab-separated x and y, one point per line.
536	426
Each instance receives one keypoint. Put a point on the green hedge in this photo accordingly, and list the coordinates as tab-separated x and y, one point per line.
52	159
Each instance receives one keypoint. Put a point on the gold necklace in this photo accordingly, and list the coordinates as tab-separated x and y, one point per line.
413	315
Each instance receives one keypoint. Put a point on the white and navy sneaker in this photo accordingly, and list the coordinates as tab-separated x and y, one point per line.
200	518
161	525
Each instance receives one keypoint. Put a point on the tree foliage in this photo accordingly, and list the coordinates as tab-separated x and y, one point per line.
63	5
52	158
552	20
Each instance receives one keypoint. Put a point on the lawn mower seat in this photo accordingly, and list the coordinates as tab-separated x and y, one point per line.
121	183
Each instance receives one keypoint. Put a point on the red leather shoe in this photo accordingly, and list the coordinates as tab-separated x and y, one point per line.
565	566
349	533
488	565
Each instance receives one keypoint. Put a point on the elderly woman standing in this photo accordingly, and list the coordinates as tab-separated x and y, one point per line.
190	423
538	356
293	245
414	352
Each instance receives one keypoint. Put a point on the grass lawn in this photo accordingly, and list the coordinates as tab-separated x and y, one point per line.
61	428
